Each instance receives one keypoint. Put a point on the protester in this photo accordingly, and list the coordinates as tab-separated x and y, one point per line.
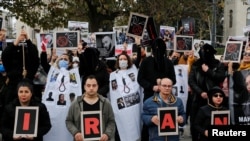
141	52
47	60
239	76
154	68
90	64
3	43
25	99
20	60
62	80
203	118
127	88
91	101
205	73
164	98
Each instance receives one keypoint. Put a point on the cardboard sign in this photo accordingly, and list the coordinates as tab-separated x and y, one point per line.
136	25
105	43
26	121
183	43
220	117
91	125
167	33
66	39
188	25
168	121
232	51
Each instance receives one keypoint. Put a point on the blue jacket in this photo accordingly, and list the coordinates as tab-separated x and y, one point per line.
150	107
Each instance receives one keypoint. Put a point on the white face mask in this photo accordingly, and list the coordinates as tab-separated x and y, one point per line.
123	64
75	65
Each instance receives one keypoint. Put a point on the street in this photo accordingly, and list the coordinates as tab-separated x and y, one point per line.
187	135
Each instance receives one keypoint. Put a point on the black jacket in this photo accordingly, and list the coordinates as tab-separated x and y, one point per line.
200	81
148	74
12	58
8	120
203	120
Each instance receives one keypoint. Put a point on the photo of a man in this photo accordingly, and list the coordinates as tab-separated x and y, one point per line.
105	43
183	43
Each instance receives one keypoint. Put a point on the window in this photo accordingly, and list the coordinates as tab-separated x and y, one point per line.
248	16
230	18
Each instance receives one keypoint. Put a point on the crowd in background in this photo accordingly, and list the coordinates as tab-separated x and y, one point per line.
128	90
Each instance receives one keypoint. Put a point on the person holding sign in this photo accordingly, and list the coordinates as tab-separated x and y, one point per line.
25	99
20	60
91	101
203	118
164	98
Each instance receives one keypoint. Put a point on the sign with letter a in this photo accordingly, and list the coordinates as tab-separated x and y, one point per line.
91	125
168	121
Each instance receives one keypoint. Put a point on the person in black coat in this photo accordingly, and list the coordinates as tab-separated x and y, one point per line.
205	73
90	64
151	71
216	98
25	99
19	64
155	67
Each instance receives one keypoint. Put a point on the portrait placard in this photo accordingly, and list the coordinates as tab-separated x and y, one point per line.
26	121
220	117
105	43
188	25
183	43
167	33
78	25
233	51
168	121
136	25
66	39
44	40
91	125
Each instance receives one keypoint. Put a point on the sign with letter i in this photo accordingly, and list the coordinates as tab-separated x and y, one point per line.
26	121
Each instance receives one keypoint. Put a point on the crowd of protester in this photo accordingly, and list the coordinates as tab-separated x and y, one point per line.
128	94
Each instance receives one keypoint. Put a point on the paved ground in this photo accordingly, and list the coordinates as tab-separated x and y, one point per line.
186	136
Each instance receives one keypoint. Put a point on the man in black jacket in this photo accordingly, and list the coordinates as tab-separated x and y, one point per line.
205	73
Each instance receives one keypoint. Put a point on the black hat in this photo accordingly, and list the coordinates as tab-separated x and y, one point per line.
213	91
209	49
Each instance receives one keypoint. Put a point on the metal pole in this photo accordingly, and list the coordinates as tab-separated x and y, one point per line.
214	24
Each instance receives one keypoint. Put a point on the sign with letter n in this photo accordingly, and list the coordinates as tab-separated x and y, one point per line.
26	121
91	125
220	117
168	121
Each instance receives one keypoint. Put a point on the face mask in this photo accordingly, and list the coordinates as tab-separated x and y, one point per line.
2	68
75	65
123	64
63	64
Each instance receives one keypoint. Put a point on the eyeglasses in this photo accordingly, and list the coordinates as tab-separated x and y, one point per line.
218	95
246	53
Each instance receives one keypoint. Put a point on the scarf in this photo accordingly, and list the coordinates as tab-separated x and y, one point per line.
244	66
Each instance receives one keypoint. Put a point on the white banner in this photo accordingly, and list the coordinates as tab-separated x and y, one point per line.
61	89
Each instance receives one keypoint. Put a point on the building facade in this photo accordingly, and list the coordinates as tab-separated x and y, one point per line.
236	17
